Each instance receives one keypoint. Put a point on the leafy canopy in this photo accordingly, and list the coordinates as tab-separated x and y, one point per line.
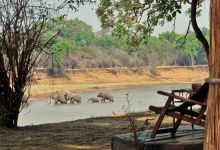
136	19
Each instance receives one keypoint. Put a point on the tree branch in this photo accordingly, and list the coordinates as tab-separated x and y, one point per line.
199	34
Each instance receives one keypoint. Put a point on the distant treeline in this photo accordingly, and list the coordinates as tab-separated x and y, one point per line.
76	46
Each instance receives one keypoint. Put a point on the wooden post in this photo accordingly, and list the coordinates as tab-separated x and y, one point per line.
212	136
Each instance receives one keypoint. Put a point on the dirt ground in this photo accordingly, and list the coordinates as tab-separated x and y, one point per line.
85	134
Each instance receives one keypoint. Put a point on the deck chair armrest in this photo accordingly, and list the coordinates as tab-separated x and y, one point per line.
181	98
182	90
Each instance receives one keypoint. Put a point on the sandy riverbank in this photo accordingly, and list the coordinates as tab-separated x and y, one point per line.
114	78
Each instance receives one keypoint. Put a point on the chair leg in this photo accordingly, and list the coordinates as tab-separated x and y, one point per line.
160	119
157	125
202	111
177	123
175	127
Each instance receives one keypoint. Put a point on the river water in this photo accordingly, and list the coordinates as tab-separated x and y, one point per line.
39	112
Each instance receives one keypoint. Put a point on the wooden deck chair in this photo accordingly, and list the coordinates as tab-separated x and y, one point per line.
181	112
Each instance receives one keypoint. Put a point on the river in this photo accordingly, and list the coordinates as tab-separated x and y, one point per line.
39	112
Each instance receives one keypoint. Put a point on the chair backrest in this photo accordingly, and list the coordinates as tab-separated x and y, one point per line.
201	94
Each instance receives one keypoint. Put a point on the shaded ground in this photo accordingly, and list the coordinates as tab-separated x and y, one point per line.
91	134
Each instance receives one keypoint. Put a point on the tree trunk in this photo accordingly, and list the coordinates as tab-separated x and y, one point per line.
212	135
196	28
9	118
9	110
192	60
9	113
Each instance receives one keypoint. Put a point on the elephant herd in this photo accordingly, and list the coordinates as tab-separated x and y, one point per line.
67	97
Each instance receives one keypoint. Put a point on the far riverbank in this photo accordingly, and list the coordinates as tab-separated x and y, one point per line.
113	78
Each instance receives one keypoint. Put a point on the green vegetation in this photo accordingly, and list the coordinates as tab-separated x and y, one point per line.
136	20
78	47
26	34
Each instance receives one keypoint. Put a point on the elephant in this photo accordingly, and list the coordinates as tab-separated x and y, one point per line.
72	97
94	99
58	98
105	96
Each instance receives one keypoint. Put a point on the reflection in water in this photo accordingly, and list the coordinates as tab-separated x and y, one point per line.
40	112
